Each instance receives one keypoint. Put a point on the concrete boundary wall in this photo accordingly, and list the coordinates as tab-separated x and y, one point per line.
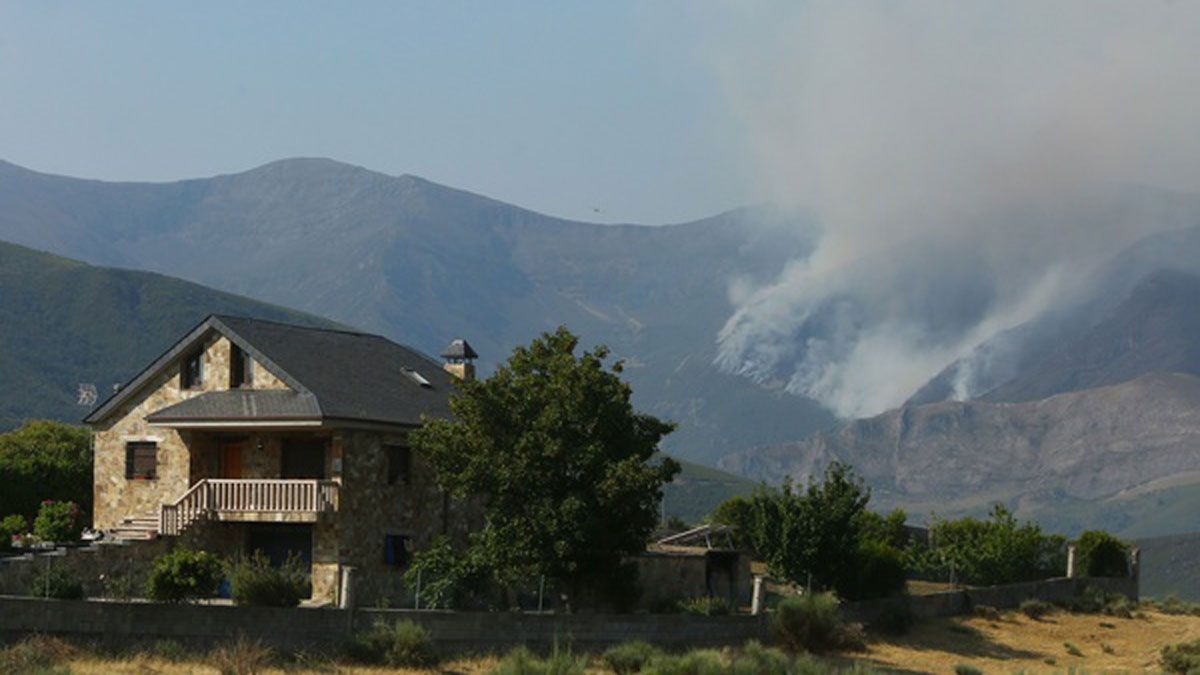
127	624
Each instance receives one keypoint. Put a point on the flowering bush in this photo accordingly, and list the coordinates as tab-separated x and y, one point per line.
59	522
12	528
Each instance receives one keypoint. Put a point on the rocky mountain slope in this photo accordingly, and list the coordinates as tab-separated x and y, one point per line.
959	456
423	263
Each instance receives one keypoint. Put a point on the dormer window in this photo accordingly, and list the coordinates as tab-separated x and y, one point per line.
241	368
191	375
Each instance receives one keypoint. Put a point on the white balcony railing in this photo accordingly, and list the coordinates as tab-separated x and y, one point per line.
216	496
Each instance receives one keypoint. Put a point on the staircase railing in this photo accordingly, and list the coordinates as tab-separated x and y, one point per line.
230	496
193	505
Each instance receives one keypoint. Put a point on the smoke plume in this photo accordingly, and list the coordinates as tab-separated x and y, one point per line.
969	162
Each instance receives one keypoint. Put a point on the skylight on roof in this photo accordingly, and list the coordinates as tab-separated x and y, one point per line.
418	378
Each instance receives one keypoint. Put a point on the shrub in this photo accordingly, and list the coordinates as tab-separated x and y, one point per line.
119	586
1181	658
37	654
521	661
895	617
808	623
987	612
242	657
59	522
695	662
706	606
630	657
989	552
879	571
1102	555
1036	609
12	527
184	575
1098	601
56	582
964	669
254	581
756	659
403	644
169	650
1072	649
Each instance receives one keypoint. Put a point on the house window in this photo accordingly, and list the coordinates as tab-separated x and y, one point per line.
241	368
141	460
191	374
395	550
399	464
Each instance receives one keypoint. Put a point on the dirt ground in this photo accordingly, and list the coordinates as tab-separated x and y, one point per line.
1016	643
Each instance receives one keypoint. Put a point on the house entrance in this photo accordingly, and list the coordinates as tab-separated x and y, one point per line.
231	460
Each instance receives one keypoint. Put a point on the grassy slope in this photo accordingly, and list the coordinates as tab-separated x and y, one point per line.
699	489
63	323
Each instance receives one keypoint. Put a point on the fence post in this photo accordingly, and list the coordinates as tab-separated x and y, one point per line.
541	592
418	594
1071	572
346	593
756	601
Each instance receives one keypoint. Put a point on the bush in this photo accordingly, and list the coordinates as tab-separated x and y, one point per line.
37	654
183	575
59	522
403	644
1181	658
706	606
808	623
964	669
1098	601
254	581
695	662
990	552
879	571
10	528
1036	609
521	661
987	612
895	617
242	657
56	582
756	659
630	657
1102	555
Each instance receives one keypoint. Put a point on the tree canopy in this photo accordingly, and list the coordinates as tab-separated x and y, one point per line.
45	460
562	464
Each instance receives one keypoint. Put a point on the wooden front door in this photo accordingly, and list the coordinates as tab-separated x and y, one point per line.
231	460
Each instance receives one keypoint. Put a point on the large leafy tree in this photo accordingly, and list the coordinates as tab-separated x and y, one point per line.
824	535
562	464
44	460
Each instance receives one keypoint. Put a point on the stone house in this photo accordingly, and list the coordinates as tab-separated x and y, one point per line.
254	435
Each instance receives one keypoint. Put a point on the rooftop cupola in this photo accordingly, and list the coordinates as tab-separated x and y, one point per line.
460	359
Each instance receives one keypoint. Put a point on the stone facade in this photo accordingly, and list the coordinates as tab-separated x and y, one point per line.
116	497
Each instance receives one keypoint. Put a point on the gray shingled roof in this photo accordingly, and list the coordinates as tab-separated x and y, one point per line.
459	349
337	376
241	404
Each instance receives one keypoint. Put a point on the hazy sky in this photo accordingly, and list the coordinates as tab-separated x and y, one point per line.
561	107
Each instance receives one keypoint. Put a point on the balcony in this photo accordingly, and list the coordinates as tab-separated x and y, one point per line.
250	500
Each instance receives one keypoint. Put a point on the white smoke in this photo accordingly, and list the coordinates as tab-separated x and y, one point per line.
965	160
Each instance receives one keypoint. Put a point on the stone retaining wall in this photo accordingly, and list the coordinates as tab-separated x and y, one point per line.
124	624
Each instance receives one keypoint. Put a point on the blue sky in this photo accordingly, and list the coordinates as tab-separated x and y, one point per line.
561	107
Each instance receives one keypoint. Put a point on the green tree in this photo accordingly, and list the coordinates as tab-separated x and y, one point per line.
561	463
737	513
998	550
825	535
45	460
1102	555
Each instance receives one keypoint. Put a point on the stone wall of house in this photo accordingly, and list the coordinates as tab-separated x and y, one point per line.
370	509
116	497
265	379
